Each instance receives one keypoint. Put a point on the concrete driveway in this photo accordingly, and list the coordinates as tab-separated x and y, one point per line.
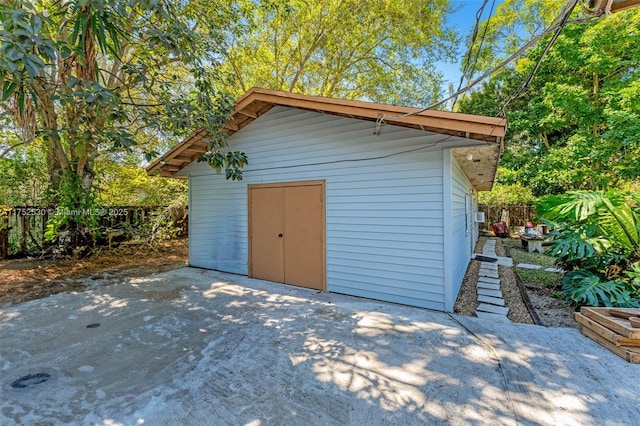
195	347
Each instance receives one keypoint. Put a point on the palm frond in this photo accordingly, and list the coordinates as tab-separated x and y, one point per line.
581	205
619	222
583	287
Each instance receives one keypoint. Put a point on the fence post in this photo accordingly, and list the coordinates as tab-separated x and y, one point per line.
4	235
23	243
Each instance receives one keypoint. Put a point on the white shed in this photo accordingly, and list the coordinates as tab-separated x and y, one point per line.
342	196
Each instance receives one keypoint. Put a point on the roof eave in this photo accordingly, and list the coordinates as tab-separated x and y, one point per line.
257	102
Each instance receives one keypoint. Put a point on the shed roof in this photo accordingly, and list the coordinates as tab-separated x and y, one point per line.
479	160
613	6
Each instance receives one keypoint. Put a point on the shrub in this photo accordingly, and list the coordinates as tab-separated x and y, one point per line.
585	288
597	235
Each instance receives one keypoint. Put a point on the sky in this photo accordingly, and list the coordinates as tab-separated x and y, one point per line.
463	20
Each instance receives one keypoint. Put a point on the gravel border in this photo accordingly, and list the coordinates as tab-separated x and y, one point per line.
518	311
467	301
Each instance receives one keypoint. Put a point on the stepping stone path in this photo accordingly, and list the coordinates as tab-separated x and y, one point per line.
492	304
530	266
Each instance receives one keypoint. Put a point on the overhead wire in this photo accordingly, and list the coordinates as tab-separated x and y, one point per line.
469	69
484	34
553	27
474	36
566	12
353	160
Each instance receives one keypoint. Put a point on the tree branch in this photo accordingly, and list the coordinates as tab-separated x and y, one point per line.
141	105
305	59
11	148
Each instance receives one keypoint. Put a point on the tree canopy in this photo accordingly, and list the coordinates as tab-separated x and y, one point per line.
356	49
503	33
89	79
577	124
87	82
93	89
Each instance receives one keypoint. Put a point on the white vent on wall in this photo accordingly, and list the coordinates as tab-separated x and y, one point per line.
480	217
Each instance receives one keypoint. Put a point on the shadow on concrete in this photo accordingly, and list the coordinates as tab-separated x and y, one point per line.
201	347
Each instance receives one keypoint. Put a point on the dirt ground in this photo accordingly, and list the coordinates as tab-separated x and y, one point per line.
553	312
30	278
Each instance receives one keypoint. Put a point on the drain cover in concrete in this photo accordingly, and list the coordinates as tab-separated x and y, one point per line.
30	380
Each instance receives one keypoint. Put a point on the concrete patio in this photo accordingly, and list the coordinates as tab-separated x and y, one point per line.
196	347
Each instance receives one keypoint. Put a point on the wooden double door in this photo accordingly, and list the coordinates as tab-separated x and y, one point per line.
287	233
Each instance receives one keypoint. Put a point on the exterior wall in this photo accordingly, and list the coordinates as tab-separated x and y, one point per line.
476	226
460	228
384	206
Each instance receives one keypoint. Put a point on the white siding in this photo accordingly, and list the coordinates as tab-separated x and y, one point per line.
218	224
462	232
384	216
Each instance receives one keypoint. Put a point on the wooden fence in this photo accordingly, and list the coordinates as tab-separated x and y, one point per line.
22	228
512	215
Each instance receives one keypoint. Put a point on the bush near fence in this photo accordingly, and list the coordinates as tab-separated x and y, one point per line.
517	215
22	228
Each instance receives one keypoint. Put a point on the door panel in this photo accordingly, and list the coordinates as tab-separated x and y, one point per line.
304	235
286	233
265	227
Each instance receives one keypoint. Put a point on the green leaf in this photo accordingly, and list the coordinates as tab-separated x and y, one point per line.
76	32
33	65
14	53
72	82
583	287
80	149
100	36
21	101
7	89
36	23
83	32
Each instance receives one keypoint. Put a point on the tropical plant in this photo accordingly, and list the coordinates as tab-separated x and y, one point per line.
586	288
90	78
597	235
576	125
634	274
